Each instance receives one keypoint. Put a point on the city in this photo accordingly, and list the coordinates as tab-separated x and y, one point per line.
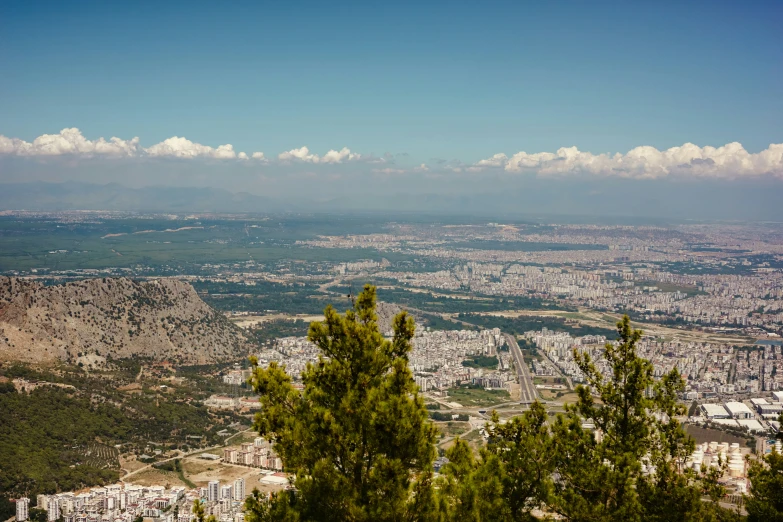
379	262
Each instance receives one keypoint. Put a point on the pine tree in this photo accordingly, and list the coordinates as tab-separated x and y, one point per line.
765	503
200	513
511	477
356	438
632	467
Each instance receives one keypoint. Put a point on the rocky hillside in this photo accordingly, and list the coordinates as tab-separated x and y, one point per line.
88	321
387	312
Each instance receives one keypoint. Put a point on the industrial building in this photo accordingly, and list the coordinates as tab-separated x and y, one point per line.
739	410
715	411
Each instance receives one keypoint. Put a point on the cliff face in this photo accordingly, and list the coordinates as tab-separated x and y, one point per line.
86	321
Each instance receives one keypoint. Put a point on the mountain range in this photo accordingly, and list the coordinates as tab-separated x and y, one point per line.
533	198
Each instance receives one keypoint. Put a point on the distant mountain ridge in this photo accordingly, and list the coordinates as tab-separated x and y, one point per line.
535	199
113	196
91	320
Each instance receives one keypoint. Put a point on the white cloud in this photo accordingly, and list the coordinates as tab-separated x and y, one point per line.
498	160
177	147
333	156
69	142
302	154
728	161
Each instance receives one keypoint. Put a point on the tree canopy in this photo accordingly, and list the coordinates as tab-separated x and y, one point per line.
765	503
628	466
359	445
357	437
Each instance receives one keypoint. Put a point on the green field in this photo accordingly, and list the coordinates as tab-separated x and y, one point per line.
469	397
179	245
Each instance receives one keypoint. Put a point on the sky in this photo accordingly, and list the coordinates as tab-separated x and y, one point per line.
318	99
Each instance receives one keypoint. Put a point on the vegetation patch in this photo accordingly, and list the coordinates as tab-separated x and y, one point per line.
489	362
473	395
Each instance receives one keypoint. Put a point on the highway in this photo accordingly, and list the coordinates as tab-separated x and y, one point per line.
528	392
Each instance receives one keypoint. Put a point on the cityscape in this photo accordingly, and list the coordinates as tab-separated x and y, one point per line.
381	262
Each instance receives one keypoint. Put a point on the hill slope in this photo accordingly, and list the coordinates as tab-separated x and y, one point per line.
86	321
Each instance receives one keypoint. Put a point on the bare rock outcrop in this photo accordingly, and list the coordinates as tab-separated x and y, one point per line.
112	317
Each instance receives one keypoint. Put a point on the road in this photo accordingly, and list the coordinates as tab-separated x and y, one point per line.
527	388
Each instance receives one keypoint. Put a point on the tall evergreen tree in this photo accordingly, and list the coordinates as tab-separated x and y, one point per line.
765	503
631	467
511	477
356	438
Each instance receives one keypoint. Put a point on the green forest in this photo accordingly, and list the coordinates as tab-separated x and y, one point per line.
265	296
49	437
446	303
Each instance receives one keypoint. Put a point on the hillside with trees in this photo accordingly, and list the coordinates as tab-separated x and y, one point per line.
66	428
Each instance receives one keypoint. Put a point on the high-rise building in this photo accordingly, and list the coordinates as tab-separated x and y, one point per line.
22	509
226	491
54	509
239	489
213	491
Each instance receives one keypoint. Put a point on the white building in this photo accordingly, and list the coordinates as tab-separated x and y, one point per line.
226	491
53	513
239	489
739	410
22	509
778	396
752	425
213	491
714	411
42	502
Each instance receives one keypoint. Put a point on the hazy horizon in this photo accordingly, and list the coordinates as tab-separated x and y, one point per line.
567	109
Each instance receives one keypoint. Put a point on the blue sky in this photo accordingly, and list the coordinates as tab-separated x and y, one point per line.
440	80
433	83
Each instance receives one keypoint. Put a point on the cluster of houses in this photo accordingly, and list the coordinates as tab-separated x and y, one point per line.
257	454
127	502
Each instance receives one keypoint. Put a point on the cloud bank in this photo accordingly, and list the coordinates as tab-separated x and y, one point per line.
730	161
71	142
